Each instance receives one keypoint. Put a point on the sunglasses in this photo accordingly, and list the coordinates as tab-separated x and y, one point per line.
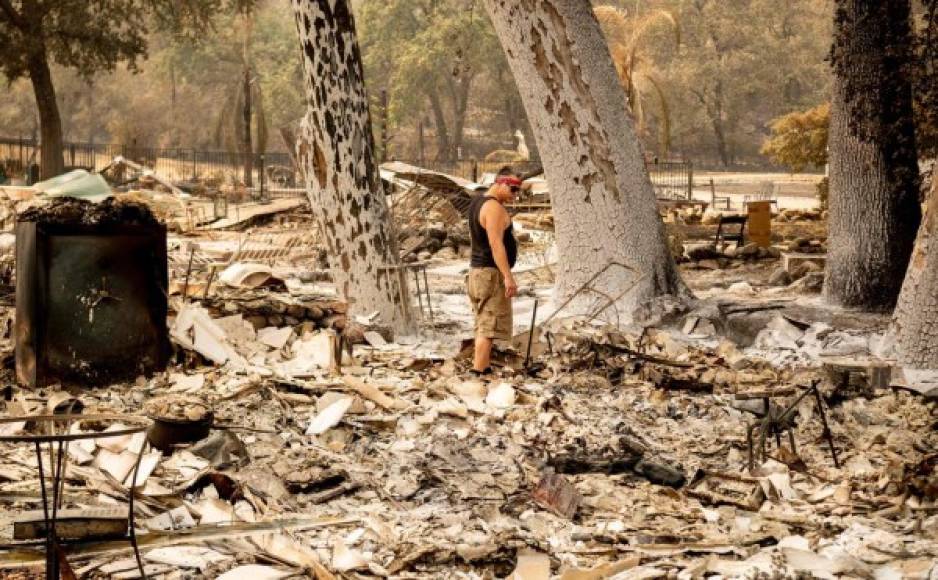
515	188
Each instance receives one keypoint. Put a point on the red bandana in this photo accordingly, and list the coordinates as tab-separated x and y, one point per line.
509	180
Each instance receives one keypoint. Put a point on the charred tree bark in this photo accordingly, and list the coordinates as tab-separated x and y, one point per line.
601	194
52	161
874	209
916	316
247	145
342	181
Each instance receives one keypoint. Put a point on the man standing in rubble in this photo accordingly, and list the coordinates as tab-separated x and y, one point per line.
490	284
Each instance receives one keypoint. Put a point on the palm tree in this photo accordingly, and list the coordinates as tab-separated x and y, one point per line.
626	38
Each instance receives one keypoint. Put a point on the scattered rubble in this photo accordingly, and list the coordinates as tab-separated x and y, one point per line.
329	450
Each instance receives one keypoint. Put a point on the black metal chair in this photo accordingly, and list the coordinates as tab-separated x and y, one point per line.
723	236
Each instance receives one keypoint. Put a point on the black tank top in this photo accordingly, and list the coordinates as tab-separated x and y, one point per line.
481	250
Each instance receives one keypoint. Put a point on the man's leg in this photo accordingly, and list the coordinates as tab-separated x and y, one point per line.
483	353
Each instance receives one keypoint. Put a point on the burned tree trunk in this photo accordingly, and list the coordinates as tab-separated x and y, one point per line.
601	194
336	148
52	162
874	210
916	316
247	145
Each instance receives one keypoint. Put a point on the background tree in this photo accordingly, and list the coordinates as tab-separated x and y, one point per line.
740	64
874	180
638	74
603	201
799	140
337	151
242	122
925	85
916	315
441	67
84	35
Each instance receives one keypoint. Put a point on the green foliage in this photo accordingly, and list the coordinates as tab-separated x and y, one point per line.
446	51
740	63
823	191
179	95
91	36
799	139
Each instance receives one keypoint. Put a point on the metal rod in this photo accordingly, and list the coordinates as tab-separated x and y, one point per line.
827	430
132	531
45	509
419	294
426	288
527	354
211	278
185	286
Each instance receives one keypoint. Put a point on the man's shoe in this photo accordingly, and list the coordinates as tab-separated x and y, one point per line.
485	372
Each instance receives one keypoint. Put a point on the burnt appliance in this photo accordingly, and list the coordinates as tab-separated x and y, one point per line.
91	302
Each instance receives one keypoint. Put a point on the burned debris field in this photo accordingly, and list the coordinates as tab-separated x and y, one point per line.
469	289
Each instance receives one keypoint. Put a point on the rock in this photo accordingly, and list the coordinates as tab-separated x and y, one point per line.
741	288
780	277
804	268
307	327
811	283
709	265
258	322
410	258
659	473
698	253
314	313
447	253
750	250
296	311
435	233
730	251
432	246
523	237
424	255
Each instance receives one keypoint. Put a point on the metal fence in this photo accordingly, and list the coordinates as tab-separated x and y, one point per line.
471	169
672	179
176	164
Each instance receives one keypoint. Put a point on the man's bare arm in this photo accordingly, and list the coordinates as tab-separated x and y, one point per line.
495	220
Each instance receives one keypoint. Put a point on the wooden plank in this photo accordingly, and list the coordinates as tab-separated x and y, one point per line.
73	524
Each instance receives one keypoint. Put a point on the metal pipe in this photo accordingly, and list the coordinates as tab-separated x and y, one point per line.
527	354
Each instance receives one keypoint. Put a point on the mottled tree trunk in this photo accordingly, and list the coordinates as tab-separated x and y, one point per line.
874	209
336	147
602	198
916	316
52	162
